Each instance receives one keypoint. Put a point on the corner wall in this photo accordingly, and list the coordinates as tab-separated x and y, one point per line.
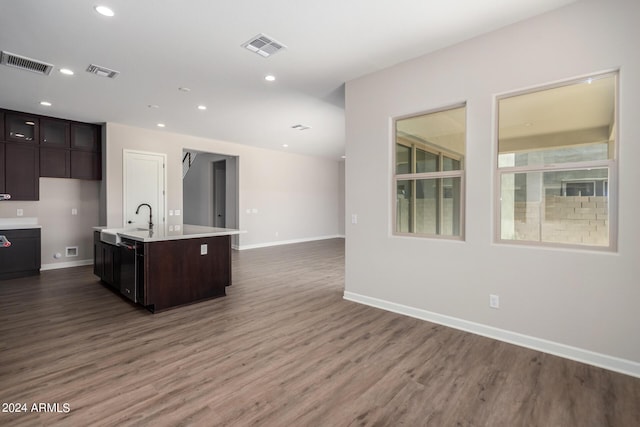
579	304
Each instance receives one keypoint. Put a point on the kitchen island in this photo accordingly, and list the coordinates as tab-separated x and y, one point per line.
162	269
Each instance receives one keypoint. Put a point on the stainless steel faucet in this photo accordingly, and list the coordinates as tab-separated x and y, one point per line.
150	213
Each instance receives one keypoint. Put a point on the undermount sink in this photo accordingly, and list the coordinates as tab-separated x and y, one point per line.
109	236
112	235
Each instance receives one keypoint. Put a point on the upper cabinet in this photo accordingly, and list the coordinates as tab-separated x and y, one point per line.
54	133
21	128
34	146
85	137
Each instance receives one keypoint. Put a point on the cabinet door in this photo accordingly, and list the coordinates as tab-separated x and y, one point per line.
55	162
98	256
21	171
3	170
21	128
54	133
85	137
85	165
22	258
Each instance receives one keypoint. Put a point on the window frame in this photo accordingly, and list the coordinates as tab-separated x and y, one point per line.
611	164
415	176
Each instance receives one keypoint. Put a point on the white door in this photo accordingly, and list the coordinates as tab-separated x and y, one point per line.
144	182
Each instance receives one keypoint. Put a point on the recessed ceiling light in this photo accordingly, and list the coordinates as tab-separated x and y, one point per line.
285	145
184	89
161	125
30	123
104	11
202	107
45	103
66	71
270	78
153	106
344	157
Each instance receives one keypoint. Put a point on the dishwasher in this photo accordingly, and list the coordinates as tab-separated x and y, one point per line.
132	270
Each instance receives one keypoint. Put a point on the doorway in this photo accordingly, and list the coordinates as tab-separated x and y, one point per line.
219	193
210	189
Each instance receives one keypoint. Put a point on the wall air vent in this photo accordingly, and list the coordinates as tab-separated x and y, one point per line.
263	45
24	63
102	71
300	127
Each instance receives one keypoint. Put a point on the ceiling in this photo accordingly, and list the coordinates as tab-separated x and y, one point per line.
161	46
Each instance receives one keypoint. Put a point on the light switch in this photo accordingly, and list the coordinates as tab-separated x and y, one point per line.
170	213
74	211
254	210
19	212
203	249
354	218
177	212
177	228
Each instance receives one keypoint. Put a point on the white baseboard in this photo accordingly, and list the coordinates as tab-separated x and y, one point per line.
285	242
611	363
57	265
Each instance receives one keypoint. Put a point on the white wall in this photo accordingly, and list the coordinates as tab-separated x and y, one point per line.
294	196
580	304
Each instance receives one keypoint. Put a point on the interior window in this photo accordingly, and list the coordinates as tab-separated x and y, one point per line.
430	148
556	156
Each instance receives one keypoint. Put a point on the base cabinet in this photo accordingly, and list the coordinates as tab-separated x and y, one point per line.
106	261
22	258
178	273
166	274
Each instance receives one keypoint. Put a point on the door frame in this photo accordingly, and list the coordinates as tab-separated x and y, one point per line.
163	190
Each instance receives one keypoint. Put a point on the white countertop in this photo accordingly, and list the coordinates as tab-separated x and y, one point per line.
18	223
187	231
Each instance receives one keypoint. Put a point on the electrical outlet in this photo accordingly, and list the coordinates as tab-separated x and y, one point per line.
74	211
203	249
354	218
494	301
19	212
177	212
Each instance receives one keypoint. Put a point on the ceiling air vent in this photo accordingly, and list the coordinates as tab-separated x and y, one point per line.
263	45
24	63
102	71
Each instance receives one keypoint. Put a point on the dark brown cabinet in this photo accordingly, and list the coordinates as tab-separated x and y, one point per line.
21	171
54	133
55	163
33	146
21	128
85	137
2	172
22	258
85	165
106	261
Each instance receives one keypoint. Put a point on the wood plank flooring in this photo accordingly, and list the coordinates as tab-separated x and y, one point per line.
281	349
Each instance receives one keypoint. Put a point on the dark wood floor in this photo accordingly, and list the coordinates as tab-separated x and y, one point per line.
281	349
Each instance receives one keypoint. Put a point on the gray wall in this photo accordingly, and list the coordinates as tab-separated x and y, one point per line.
578	303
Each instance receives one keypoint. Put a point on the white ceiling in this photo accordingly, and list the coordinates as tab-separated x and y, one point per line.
159	46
